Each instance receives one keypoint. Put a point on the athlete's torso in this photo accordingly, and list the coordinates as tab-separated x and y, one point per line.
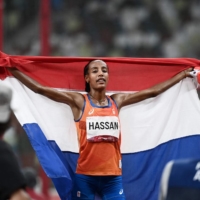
99	139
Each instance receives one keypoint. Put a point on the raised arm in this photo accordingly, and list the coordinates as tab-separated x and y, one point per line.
123	99
73	99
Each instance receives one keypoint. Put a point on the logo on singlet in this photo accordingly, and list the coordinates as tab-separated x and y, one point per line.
121	191
91	111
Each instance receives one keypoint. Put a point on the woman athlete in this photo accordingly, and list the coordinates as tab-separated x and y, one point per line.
96	117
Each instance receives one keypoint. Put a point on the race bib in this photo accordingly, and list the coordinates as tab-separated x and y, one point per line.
100	129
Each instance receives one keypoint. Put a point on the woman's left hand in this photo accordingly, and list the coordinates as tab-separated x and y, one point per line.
188	71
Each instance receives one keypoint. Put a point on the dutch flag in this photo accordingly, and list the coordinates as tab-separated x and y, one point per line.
154	131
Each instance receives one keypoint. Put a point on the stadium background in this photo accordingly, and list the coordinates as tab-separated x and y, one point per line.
123	28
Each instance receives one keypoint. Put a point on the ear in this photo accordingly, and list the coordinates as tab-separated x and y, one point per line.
87	78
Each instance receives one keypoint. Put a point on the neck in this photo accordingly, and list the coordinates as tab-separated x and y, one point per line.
98	94
99	99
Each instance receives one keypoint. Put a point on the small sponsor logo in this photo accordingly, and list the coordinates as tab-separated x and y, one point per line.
113	110
91	111
120	164
78	194
121	191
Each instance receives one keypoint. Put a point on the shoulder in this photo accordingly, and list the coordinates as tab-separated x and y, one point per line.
75	97
118	98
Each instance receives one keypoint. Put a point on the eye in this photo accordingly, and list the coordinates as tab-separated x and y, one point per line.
104	70
94	71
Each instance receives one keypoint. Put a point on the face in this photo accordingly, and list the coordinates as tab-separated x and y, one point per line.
97	75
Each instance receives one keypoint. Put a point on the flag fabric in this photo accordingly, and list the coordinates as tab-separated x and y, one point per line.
154	131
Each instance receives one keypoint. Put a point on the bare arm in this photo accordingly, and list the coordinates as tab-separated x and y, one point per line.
123	99
20	195
73	99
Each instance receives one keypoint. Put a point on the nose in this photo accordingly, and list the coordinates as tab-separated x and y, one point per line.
100	73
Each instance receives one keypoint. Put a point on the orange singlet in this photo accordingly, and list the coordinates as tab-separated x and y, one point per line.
99	139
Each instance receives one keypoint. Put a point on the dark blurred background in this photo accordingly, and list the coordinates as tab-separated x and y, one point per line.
118	28
133	28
